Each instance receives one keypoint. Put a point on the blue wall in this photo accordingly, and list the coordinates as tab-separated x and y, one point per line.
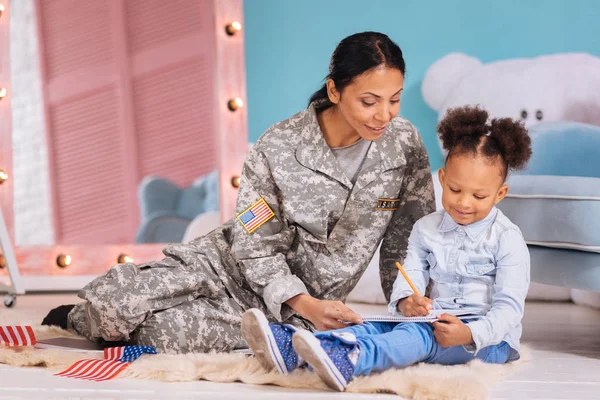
289	43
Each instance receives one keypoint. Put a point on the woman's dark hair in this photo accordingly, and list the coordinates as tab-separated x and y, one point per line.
466	130
355	55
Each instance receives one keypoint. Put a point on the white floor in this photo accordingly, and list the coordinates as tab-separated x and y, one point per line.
565	365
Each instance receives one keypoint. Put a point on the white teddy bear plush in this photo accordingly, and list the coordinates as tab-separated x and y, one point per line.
557	87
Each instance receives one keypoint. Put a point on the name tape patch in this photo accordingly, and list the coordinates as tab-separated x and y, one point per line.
256	215
387	204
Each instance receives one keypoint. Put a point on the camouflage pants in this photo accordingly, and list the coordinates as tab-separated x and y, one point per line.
174	306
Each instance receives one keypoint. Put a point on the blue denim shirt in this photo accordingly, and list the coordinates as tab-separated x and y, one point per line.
483	265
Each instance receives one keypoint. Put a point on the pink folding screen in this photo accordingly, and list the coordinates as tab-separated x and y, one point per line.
129	92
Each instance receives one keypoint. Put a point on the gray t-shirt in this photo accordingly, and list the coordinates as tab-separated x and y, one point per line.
351	157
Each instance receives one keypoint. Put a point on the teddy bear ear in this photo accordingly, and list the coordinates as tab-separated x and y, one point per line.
444	75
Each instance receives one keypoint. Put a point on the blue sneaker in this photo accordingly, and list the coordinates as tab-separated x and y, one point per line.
271	343
332	357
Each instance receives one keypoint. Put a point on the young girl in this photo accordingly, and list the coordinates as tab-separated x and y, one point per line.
468	255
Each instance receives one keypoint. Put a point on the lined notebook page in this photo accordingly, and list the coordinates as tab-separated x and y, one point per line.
464	313
398	318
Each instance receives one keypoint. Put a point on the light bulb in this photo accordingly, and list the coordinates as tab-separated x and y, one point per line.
234	104
3	176
1	9
2	259
235	181
124	258
63	260
232	28
2	93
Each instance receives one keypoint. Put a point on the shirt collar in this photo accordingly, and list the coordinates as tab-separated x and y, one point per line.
384	153
473	230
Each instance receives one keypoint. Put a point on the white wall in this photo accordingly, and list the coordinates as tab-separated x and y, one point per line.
33	217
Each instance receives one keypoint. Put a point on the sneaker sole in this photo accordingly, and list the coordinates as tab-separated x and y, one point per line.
309	348
260	339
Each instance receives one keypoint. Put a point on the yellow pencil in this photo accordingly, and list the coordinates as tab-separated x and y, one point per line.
413	287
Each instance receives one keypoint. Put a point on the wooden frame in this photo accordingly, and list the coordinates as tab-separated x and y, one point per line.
232	84
14	285
90	260
6	188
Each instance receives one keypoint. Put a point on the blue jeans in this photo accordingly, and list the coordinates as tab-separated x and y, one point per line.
385	345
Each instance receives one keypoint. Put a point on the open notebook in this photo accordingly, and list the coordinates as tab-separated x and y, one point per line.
68	343
463	313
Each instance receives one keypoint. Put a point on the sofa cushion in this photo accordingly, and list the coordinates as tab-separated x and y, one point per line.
555	211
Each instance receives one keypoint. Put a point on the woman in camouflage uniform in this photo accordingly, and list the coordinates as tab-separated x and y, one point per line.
319	192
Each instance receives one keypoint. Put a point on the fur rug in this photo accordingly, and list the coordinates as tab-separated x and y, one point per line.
423	381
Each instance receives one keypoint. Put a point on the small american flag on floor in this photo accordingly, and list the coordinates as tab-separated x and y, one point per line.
17	336
127	353
256	215
116	360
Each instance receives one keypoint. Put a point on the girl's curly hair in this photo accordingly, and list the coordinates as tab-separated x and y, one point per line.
466	130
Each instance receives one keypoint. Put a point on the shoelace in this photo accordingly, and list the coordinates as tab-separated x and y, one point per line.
288	344
335	343
287	328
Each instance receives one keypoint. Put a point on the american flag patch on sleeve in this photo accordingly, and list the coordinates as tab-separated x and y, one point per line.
255	216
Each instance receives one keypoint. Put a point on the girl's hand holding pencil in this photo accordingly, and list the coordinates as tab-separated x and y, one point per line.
414	305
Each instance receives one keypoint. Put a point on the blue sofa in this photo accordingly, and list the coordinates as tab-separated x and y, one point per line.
556	203
167	209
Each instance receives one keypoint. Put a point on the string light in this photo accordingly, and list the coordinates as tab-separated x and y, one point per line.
2	93
2	262
1	9
233	28
234	104
3	176
124	258
63	260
